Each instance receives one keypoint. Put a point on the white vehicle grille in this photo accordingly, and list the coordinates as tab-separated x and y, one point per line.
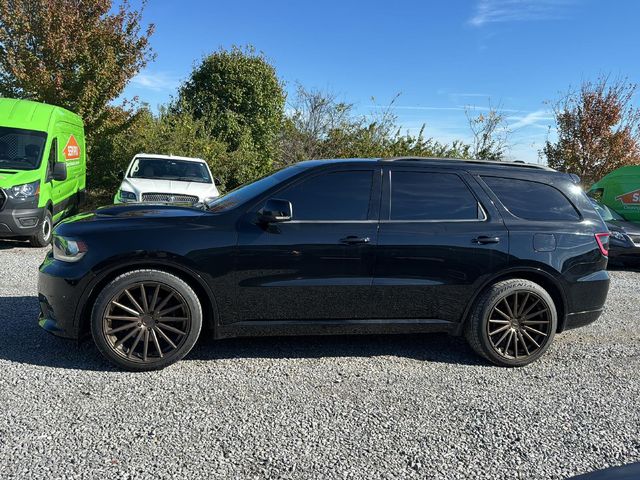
169	198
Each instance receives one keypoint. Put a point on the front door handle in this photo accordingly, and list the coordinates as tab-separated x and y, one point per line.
354	240
484	239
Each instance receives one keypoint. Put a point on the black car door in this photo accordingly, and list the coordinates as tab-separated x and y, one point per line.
318	265
439	237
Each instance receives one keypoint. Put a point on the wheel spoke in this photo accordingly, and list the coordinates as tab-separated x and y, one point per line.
164	336
165	301
524	332
136	341
501	339
125	308
501	329
171	329
162	313
523	304
496	309
123	318
134	301
506	348
172	319
515	343
154	299
493	320
533	315
509	311
524	344
124	339
537	300
120	329
515	302
157	344
143	294
145	347
526	327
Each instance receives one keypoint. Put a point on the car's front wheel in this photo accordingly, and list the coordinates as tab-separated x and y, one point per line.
512	323
146	320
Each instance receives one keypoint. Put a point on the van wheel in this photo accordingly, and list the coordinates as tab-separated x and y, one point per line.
42	238
512	323
146	320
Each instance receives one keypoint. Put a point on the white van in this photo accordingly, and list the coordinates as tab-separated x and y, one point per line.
154	178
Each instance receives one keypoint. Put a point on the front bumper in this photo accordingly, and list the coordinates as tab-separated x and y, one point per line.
20	218
60	290
629	253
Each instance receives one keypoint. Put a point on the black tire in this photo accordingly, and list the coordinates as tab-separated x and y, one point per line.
497	315
42	237
150	327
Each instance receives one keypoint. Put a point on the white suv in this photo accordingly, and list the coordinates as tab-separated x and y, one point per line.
166	179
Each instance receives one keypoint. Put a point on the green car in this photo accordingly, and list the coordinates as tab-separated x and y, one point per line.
42	168
620	191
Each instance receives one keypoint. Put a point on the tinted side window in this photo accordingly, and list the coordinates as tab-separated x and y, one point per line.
532	200
431	196
331	196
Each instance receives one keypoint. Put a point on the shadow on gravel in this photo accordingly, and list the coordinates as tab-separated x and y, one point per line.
23	341
9	244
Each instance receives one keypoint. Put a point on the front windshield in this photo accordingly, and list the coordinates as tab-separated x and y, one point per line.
605	212
248	191
170	169
21	149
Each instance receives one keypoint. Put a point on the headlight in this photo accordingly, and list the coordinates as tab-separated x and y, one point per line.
126	196
26	190
618	235
67	250
208	200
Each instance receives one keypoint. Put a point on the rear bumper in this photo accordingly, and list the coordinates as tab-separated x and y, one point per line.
586	297
580	319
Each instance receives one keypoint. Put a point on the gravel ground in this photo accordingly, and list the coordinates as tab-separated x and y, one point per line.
421	406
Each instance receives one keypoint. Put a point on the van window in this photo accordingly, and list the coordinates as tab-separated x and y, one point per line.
532	200
53	158
21	149
431	196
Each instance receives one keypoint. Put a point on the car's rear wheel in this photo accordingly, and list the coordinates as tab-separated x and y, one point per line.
512	323
146	320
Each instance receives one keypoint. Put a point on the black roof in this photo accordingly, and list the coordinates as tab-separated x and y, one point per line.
435	161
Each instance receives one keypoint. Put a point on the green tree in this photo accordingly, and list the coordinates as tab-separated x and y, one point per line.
77	54
598	129
238	95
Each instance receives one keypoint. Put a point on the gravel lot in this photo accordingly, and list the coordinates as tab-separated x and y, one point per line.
341	407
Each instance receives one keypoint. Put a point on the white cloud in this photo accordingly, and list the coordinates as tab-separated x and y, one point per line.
500	11
538	118
156	81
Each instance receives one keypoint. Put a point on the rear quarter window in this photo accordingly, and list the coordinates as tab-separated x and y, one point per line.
531	200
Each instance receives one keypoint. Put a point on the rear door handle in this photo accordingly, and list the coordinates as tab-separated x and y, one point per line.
484	239
354	240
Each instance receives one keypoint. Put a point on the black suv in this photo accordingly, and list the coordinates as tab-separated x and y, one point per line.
507	254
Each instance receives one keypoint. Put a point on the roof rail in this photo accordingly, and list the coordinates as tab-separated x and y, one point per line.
494	163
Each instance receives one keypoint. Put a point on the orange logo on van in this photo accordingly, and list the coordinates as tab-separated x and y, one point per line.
71	149
630	198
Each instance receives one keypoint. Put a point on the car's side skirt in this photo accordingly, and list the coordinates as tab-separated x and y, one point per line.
332	327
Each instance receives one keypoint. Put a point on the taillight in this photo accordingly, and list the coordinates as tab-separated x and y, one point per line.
603	242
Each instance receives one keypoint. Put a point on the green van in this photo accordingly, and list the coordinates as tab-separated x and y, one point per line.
620	191
42	168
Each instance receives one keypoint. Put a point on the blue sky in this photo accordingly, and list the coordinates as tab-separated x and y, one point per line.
439	56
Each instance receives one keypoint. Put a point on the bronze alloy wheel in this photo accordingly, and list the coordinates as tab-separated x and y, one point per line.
146	321
519	325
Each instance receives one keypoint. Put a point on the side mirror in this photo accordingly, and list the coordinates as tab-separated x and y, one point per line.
276	210
121	174
59	171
